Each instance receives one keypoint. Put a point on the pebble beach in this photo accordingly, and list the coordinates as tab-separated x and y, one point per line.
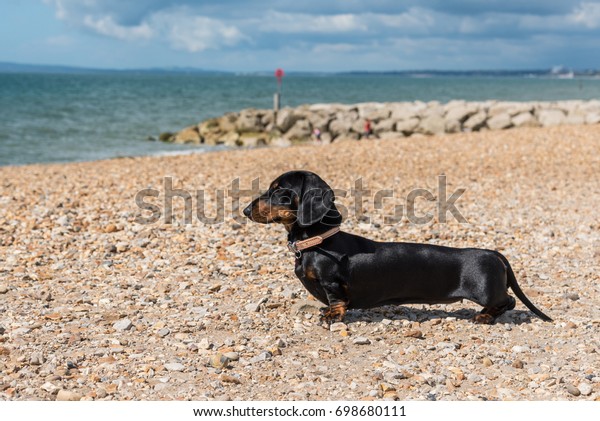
96	304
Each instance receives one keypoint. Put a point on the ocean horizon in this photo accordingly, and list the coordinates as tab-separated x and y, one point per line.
70	117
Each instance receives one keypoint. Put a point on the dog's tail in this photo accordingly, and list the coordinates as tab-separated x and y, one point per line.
512	283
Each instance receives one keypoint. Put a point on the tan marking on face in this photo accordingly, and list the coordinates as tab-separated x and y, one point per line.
265	213
285	214
310	274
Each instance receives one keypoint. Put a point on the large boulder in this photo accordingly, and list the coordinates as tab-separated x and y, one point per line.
166	137
252	140
382	112
551	117
476	121
452	126
280	142
460	111
575	117
302	130
385	126
267	119
188	135
332	108
227	122
592	105
320	121
230	138
433	109
249	121
433	124
499	121
592	117
344	125
408	126
404	111
326	138
525	119
286	118
210	127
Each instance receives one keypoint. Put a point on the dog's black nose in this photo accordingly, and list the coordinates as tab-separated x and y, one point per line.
248	211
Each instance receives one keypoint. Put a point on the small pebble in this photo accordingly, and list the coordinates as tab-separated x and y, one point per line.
573	390
263	356
226	378
36	358
232	356
487	362
517	364
361	340
110	228
204	344
338	326
163	332
219	361
67	395
49	387
174	366
413	333
123	325
585	389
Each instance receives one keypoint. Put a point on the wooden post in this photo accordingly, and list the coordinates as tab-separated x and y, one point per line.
276	102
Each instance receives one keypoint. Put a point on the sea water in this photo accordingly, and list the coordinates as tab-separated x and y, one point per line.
80	117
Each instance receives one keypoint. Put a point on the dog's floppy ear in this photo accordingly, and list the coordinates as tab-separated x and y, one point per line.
316	201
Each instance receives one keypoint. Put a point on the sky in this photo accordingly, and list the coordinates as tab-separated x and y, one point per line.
303	35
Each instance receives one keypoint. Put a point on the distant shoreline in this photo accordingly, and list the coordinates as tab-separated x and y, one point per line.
10	67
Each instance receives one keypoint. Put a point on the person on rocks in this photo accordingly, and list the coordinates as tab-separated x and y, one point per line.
368	130
317	135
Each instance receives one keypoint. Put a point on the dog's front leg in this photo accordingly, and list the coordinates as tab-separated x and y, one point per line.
337	300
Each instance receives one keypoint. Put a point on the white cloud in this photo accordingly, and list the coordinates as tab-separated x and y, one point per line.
195	33
413	19
105	25
180	27
386	31
587	14
307	23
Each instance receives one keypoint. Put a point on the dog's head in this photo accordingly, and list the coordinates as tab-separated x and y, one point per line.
299	198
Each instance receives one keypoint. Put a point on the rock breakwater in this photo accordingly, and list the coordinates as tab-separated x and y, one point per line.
256	127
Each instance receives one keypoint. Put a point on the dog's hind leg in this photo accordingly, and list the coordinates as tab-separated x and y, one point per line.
489	314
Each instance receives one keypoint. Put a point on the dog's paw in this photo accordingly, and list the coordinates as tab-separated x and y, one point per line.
483	319
333	314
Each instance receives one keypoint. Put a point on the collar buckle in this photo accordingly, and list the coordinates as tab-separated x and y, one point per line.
294	249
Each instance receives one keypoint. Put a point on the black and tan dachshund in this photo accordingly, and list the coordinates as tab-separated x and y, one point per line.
345	271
